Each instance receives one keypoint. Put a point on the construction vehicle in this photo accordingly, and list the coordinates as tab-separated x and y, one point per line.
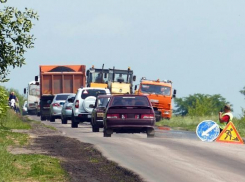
118	81
97	77
160	94
57	79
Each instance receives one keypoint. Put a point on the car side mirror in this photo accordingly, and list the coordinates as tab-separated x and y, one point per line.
36	78
135	87
134	78
91	106
70	100
175	91
24	90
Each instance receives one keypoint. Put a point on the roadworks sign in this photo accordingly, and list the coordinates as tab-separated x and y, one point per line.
230	135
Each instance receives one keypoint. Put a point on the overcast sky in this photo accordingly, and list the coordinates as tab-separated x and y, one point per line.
199	45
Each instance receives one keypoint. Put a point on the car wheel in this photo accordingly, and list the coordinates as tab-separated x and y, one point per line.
150	133
52	119
43	118
95	128
74	124
64	120
106	134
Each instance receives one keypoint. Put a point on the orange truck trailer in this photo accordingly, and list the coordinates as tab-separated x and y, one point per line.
56	79
160	93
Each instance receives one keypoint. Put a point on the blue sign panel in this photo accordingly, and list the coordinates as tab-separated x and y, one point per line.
208	131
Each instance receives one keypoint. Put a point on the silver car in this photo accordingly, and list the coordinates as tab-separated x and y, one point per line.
67	109
56	106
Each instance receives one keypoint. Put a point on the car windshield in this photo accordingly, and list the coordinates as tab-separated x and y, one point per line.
61	97
97	77
156	89
102	102
92	92
120	77
34	90
130	101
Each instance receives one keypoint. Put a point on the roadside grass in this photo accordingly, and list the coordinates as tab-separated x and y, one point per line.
24	167
189	123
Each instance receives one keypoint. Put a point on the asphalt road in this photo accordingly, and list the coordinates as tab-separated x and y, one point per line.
171	156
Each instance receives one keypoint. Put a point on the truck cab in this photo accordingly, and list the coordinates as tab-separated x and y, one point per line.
160	94
121	81
97	77
117	81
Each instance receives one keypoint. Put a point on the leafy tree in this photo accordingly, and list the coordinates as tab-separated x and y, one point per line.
15	37
3	104
243	91
199	105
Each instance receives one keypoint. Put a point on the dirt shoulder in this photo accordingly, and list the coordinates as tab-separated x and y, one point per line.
81	161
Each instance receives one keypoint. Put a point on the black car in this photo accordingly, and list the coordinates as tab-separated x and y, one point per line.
98	112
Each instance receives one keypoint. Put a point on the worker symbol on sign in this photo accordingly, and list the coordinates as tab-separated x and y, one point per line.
229	134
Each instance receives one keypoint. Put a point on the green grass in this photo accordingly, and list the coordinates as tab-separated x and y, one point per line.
190	123
25	167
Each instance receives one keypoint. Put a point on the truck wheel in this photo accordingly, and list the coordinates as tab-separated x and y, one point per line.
150	133
64	120
43	118
52	119
74	124
106	134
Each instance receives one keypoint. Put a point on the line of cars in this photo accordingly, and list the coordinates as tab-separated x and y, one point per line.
115	113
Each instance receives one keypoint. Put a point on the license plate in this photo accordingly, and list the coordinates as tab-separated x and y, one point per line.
62	103
100	115
89	116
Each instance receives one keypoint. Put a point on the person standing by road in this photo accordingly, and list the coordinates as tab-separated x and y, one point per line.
225	117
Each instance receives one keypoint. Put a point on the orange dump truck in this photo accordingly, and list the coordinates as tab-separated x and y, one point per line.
160	94
56	79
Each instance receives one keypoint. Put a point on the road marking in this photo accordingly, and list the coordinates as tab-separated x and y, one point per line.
208	130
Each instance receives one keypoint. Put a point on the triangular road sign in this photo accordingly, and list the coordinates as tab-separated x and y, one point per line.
230	135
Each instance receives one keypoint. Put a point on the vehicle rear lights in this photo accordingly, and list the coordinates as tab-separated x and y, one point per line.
147	116
68	107
56	105
77	104
114	116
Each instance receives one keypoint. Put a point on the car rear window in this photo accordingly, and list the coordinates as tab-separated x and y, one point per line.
61	97
92	92
130	101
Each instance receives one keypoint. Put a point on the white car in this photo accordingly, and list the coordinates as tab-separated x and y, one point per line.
81	109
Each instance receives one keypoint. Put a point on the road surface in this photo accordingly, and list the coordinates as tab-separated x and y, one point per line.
171	156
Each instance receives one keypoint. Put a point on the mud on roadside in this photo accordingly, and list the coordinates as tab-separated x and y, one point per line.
81	161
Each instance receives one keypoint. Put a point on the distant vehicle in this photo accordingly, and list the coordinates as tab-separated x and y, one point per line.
33	95
56	106
67	109
55	79
81	111
24	108
99	111
160	94
129	114
116	80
